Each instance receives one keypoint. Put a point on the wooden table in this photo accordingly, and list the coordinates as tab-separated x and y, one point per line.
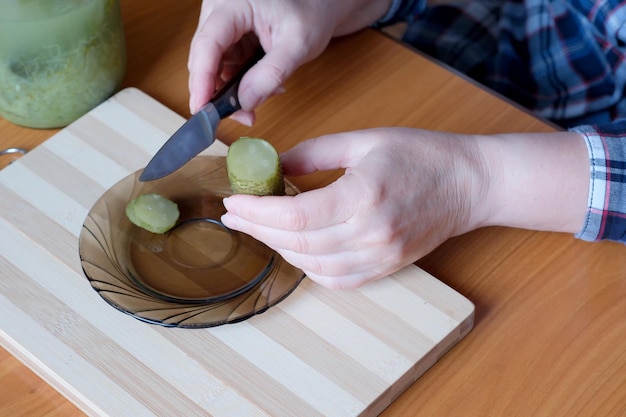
549	333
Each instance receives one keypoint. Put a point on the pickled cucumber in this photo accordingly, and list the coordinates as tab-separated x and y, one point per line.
254	167
153	212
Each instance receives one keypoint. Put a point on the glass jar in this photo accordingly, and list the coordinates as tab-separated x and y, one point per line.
58	59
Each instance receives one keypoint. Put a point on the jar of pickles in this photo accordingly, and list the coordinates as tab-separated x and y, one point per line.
58	59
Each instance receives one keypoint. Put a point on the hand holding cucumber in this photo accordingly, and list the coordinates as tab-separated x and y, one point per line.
393	205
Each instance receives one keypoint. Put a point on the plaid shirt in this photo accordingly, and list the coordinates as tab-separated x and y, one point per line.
563	60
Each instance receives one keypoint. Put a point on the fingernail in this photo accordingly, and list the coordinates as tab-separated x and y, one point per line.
227	203
229	220
243	118
224	220
192	104
280	90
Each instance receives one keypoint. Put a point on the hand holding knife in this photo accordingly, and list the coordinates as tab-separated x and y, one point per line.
198	133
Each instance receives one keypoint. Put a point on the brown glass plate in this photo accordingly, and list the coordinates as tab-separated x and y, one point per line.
200	273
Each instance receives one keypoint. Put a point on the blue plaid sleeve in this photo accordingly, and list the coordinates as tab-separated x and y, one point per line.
606	213
399	10
565	60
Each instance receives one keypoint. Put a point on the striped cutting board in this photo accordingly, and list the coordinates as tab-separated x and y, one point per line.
317	353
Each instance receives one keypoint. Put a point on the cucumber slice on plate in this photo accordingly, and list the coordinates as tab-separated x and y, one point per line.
153	212
254	167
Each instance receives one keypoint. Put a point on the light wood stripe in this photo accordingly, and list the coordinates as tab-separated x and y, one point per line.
317	353
383	324
243	376
147	125
24	217
64	177
85	159
112	143
50	201
270	357
349	338
393	296
332	362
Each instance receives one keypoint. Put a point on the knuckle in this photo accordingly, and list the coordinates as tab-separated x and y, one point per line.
390	241
314	266
299	243
274	76
296	217
385	234
329	270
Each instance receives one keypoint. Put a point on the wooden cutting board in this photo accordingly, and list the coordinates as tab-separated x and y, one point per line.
317	353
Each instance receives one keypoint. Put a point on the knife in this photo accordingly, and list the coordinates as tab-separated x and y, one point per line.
198	133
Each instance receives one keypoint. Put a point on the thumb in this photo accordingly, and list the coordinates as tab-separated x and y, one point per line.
335	151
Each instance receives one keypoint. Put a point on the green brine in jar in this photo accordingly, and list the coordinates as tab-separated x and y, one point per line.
58	59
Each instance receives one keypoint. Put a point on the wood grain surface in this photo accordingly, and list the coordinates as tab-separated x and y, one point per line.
318	352
549	329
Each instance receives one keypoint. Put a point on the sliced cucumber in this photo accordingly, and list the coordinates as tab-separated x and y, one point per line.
254	167
153	212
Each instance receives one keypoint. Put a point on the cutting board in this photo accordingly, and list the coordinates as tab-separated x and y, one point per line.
319	352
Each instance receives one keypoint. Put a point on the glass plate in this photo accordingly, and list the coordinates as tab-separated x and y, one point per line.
200	273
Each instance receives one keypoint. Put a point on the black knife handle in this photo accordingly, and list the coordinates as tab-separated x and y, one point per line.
226	101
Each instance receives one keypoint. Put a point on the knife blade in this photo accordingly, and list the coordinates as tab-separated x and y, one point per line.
198	133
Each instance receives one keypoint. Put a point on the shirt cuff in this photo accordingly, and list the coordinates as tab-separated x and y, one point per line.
606	209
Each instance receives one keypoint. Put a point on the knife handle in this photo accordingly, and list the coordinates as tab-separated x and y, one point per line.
226	101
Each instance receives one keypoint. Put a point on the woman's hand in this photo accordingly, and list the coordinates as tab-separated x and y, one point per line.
404	192
291	33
